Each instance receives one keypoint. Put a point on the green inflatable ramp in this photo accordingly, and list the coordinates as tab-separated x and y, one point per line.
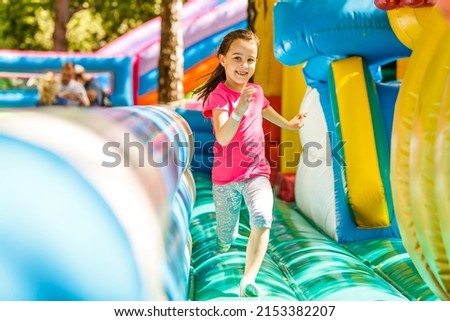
301	262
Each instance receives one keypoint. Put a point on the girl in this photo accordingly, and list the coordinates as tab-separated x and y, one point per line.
240	170
48	91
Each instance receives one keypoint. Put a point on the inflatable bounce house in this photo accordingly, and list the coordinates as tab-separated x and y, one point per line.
116	203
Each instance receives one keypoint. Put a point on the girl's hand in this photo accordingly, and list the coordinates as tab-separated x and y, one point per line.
246	98
298	121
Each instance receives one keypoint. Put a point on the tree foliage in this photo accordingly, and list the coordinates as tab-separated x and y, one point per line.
30	24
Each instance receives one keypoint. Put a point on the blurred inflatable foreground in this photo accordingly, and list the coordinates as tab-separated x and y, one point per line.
95	204
98	204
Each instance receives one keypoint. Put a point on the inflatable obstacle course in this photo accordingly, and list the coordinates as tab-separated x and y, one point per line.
76	217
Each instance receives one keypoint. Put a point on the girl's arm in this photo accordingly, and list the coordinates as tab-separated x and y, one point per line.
295	123
225	127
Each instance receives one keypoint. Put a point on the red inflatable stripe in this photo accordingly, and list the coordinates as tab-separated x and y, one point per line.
392	4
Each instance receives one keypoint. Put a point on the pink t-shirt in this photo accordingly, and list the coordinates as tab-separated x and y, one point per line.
244	156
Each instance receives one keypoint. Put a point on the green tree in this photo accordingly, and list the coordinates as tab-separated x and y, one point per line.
120	16
20	24
81	25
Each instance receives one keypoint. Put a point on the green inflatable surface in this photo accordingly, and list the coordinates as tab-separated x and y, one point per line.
301	263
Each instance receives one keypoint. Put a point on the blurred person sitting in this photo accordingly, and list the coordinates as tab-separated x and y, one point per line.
48	91
97	97
71	89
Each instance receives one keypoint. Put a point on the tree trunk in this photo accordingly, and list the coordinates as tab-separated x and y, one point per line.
251	14
62	17
171	60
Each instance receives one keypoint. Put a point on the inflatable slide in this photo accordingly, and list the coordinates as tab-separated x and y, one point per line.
342	239
204	25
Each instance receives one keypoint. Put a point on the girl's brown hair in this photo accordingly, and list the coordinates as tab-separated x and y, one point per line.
218	75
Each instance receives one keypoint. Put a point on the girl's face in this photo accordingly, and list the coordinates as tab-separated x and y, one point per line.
239	63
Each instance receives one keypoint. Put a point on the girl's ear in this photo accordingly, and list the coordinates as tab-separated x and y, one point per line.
222	59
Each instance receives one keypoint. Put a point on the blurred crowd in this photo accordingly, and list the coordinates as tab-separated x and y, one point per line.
75	87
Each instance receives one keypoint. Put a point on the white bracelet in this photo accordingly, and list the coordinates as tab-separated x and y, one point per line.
235	116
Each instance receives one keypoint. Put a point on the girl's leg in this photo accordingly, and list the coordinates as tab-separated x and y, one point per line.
227	201
256	249
258	196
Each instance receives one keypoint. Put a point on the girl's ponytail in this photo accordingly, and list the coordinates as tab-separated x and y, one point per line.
217	76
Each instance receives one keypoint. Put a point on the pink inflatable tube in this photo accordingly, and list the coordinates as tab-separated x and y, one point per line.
196	29
137	39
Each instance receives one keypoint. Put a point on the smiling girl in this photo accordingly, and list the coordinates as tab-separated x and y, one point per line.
240	170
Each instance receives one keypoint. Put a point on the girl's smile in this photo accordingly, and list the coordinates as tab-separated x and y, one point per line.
239	63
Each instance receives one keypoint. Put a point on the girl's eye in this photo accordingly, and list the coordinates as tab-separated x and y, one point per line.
251	60
237	58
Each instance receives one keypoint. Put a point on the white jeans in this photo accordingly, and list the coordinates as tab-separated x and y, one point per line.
258	196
